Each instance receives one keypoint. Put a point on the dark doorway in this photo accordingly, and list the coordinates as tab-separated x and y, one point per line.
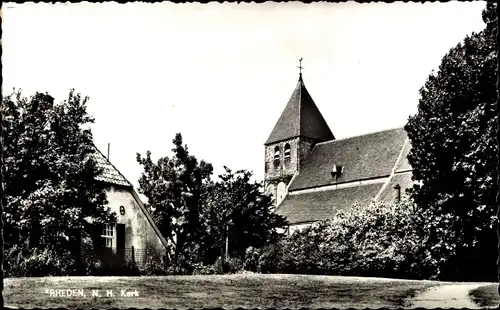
120	242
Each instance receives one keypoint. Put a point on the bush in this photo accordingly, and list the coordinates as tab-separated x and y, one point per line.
90	260
155	264
385	240
200	269
270	258
234	265
177	270
21	262
117	269
251	262
39	262
111	263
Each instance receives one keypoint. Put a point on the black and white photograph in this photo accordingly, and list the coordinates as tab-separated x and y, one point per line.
250	155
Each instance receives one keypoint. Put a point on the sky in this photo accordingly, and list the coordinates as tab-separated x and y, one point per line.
221	74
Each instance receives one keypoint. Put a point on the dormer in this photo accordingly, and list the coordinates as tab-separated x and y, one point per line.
337	171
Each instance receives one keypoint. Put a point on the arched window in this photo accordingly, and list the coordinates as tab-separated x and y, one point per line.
287	151
271	189
277	153
280	193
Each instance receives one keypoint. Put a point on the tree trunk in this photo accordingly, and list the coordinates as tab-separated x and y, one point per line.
76	245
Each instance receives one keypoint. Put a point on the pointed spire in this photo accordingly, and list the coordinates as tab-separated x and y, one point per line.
300	117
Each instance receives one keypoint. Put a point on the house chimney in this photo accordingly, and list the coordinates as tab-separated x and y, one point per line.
108	151
398	192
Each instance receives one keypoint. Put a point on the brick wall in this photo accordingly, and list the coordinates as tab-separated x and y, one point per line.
281	169
284	169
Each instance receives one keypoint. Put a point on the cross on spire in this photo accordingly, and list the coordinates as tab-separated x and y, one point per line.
300	65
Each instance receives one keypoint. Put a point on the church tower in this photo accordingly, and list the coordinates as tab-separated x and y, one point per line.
292	139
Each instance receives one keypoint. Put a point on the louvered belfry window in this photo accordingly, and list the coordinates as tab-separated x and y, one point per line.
287	151
277	153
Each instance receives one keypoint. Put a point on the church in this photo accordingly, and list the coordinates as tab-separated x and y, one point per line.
311	174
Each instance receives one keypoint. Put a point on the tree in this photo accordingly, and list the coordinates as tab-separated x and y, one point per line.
174	188
2	204
454	148
238	209
193	211
49	173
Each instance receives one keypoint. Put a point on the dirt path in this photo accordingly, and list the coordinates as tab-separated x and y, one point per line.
446	296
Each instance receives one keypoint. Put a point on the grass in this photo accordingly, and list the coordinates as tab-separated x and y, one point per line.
486	296
227	291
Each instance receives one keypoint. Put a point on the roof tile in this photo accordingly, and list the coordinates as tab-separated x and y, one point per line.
321	205
109	173
301	117
404	164
403	179
362	157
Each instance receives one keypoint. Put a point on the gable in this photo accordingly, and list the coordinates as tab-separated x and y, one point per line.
363	157
111	176
142	230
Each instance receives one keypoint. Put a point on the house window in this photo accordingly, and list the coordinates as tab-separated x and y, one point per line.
107	234
277	153
287	151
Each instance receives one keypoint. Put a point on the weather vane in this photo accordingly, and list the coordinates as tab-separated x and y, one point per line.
300	65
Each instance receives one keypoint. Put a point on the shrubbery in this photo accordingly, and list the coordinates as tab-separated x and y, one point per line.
114	268
90	260
251	259
20	262
200	269
232	265
385	240
155	264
